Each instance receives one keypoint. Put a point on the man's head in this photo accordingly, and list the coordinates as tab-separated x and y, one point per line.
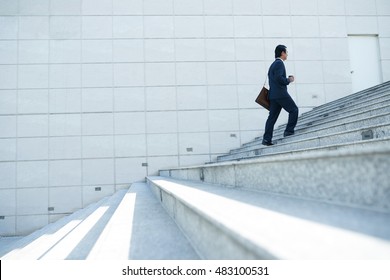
281	52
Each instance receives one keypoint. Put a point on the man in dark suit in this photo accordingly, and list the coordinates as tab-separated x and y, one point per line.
279	97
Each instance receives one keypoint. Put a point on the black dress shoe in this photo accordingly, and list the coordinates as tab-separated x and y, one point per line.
267	143
285	134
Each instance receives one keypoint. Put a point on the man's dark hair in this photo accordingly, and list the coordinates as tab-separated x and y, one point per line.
279	49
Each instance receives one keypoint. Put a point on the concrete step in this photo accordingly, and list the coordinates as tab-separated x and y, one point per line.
364	123
348	116
318	138
231	223
343	109
379	108
112	229
375	117
361	97
356	146
348	176
376	114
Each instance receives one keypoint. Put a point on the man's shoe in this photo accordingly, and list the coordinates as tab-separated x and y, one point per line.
267	143
288	134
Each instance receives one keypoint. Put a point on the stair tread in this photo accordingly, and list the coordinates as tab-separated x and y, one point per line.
311	132
369	93
321	140
338	110
373	145
141	229
337	120
349	116
280	226
322	128
333	120
264	151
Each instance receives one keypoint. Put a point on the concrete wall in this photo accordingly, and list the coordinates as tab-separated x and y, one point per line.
96	94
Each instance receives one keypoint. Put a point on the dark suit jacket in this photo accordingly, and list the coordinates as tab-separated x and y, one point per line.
277	80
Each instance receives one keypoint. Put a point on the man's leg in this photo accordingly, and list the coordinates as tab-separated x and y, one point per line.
274	112
289	105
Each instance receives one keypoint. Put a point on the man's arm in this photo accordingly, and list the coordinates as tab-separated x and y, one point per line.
280	74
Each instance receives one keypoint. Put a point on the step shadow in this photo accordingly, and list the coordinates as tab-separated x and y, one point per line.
49	229
84	247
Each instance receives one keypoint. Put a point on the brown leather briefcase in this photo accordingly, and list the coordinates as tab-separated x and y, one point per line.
263	99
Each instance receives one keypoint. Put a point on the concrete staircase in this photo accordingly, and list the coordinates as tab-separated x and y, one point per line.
361	116
323	193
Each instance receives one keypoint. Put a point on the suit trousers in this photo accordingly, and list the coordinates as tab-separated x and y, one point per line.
276	106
